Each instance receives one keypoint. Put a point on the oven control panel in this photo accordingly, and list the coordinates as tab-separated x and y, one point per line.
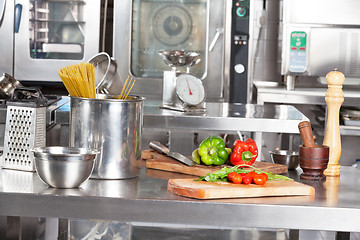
239	51
297	57
241	8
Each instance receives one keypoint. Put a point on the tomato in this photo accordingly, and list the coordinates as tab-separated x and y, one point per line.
247	179
237	179
265	176
231	176
234	177
259	179
252	175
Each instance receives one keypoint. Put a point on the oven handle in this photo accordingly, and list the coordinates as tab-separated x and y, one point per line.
2	10
17	17
219	31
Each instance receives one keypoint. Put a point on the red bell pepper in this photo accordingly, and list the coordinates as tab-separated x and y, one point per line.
244	152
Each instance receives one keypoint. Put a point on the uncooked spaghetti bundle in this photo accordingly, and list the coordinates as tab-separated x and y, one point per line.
79	80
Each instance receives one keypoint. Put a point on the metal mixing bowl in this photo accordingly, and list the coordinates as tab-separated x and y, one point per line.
64	167
285	157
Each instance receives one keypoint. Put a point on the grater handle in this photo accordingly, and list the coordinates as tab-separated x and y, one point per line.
25	96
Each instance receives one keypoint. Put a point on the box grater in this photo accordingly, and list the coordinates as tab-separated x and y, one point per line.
25	128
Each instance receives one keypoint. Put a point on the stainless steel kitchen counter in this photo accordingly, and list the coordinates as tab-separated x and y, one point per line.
218	116
335	206
224	117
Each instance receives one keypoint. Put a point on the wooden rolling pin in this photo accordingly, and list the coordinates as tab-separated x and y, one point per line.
306	134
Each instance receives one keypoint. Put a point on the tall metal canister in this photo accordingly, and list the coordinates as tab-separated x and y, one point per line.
113	127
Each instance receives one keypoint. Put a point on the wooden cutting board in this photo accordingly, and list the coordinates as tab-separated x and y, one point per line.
211	190
159	161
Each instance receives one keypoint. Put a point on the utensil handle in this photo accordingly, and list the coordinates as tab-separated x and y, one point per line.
158	147
306	134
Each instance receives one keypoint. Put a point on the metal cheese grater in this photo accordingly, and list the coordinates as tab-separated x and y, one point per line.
25	128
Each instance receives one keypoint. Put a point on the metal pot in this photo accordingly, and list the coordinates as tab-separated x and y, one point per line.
112	126
8	85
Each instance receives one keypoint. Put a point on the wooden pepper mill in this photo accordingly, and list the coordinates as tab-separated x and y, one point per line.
334	97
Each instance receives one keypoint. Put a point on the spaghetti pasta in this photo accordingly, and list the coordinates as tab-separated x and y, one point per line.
127	88
79	80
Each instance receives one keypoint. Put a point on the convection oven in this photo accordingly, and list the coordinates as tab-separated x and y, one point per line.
38	37
319	36
142	28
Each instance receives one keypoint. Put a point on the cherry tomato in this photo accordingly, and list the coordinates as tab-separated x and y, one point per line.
237	179
247	179
259	180
234	177
231	176
242	174
252	175
265	176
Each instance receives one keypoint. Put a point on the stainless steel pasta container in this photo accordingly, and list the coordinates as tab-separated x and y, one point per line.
113	127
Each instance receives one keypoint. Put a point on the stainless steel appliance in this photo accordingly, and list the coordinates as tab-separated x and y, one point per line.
319	36
40	37
143	28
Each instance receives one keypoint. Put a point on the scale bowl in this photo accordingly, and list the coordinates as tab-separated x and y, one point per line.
176	58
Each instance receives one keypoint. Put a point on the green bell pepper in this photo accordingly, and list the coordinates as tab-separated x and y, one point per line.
212	151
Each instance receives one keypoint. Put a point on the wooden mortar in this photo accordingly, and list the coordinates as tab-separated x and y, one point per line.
313	161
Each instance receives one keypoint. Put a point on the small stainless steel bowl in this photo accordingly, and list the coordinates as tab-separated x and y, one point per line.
285	157
64	167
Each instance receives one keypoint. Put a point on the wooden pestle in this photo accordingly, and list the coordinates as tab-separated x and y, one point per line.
306	134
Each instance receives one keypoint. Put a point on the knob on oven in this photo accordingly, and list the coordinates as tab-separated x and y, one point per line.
239	68
241	11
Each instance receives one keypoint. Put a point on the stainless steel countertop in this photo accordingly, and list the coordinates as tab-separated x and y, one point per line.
218	116
335	206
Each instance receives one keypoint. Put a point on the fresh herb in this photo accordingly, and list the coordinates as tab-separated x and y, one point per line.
221	175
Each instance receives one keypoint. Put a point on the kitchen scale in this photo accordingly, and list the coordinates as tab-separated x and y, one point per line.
182	91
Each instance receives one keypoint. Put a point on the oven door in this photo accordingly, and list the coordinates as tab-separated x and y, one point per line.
144	27
6	39
54	34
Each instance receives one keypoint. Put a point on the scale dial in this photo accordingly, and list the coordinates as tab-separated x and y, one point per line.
190	89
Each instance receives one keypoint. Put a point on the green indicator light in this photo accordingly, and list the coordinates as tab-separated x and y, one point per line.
241	11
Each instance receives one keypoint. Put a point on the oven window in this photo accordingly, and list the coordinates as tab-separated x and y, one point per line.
167	25
56	29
